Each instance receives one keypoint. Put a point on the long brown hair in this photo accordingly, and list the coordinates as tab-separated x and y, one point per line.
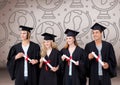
75	42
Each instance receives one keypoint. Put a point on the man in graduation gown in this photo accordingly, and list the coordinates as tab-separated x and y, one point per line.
100	74
24	70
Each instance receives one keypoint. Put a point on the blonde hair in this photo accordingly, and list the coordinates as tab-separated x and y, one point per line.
75	42
44	49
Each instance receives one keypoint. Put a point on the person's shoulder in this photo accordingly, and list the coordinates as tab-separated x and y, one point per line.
106	43
16	45
55	50
33	43
78	48
63	49
90	43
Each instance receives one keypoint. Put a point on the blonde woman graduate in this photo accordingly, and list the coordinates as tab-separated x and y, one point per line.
50	53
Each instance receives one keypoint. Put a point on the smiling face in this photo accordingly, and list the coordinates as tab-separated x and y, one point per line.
24	35
70	40
48	43
97	35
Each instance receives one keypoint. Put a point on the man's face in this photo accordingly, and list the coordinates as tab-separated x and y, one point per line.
97	35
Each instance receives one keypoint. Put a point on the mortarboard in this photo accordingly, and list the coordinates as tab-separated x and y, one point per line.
99	27
25	28
70	32
48	36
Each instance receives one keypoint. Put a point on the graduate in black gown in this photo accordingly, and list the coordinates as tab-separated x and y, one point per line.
23	71
74	73
98	74
49	51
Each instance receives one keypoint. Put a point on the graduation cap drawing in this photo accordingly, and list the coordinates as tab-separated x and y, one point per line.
70	32
48	36
99	27
25	28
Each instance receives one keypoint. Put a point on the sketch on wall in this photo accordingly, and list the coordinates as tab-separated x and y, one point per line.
20	17
55	16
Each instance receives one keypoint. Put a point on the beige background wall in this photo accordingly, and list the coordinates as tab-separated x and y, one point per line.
55	16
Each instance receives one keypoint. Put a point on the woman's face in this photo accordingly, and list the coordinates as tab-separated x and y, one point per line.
70	40
48	43
23	35
97	35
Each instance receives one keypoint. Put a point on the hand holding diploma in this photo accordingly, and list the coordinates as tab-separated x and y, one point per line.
68	58
99	60
49	65
27	58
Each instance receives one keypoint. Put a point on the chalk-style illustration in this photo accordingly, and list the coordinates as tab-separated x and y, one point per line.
20	17
80	21
76	4
3	34
103	6
21	4
48	6
111	33
50	27
3	3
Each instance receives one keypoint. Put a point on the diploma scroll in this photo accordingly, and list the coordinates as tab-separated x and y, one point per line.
99	60
49	65
27	58
69	59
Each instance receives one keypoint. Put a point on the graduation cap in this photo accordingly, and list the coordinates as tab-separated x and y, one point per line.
99	27
48	36
25	28
70	32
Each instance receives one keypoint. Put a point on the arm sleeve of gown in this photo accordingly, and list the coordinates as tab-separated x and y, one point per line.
38	51
62	63
82	63
87	62
59	57
11	63
112	62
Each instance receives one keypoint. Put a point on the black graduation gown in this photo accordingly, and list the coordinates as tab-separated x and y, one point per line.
108	56
48	77
78	72
16	67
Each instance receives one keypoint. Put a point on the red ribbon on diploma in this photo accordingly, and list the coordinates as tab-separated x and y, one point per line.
68	60
26	58
97	58
46	67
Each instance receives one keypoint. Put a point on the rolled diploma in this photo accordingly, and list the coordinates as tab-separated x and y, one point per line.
27	58
70	59
49	65
101	62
